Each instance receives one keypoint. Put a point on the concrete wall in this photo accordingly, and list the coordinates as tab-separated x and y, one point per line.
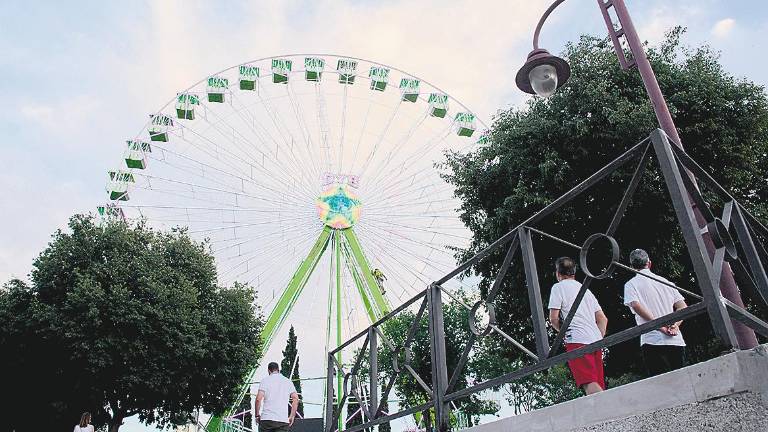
729	393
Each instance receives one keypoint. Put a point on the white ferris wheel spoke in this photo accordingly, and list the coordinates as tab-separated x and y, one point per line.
299	174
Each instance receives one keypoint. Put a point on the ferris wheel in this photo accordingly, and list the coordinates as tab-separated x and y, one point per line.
305	171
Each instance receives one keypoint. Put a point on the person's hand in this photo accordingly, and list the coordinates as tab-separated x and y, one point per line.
673	330
670	330
257	418
290	421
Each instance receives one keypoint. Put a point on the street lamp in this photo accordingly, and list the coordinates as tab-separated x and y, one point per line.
544	73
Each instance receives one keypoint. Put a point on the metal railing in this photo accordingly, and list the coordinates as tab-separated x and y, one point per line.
745	254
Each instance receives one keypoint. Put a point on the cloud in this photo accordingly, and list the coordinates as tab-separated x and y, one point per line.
436	41
723	28
653	25
39	113
59	116
34	213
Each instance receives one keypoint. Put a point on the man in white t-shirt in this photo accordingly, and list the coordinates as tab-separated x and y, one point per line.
663	349
588	325
271	408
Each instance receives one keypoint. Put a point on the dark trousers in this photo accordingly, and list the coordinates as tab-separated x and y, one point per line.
660	359
272	426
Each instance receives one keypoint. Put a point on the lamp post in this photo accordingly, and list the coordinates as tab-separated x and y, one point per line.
543	73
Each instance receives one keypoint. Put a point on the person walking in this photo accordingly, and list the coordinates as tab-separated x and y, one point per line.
275	391
588	325
85	423
649	298
380	278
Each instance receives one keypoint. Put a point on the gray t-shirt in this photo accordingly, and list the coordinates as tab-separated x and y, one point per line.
277	395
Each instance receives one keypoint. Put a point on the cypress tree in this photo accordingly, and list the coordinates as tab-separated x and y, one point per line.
290	356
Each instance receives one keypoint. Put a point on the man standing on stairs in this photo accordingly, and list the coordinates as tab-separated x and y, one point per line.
275	391
650	296
588	325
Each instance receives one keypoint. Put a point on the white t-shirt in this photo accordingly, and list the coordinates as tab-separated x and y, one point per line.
659	299
277	395
88	428
583	328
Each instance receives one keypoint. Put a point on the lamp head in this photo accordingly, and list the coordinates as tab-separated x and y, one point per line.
542	73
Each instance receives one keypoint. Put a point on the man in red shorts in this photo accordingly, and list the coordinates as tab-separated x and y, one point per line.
588	325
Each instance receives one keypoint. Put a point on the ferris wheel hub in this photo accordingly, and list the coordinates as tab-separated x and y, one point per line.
339	207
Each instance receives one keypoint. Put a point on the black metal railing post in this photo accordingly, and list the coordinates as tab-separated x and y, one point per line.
329	423
702	266
437	351
373	373
534	293
752	256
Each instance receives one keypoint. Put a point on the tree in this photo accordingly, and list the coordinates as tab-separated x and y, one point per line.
290	365
534	155
123	320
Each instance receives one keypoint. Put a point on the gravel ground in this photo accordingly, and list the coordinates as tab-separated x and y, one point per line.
735	413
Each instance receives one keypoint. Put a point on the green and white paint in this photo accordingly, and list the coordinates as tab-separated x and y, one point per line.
313	68
185	106
347	70
117	186
280	70
216	88
409	87
121	176
438	104
465	123
379	77
135	157
158	127
248	76
110	212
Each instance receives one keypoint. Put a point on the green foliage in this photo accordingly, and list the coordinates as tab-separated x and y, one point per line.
542	389
535	155
123	320
622	379
291	356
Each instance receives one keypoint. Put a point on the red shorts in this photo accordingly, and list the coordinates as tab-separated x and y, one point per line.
588	368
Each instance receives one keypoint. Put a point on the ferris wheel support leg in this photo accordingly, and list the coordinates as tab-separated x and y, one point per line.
278	314
294	288
365	269
370	308
339	375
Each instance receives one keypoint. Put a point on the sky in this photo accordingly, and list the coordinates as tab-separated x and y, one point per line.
79	77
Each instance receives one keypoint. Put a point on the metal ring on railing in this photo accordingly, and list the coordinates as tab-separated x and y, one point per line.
585	251
407	358
473	325
347	377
